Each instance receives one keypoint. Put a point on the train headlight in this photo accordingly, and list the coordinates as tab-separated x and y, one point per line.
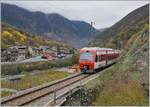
85	67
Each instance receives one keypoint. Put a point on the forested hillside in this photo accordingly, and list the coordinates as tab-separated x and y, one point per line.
51	25
13	36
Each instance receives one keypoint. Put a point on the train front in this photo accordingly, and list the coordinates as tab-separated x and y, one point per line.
86	61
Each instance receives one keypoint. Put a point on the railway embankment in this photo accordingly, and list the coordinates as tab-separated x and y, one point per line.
126	83
30	81
85	95
27	75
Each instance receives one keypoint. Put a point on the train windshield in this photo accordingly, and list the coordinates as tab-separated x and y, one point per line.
87	56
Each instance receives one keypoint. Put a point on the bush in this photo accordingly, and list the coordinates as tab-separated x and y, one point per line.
13	69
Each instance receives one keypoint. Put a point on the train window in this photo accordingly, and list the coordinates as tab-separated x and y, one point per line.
87	56
104	57
97	58
100	58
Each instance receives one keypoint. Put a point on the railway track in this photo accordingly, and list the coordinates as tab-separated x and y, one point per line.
33	95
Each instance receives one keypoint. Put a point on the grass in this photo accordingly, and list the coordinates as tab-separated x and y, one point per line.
14	69
122	94
5	93
126	83
33	80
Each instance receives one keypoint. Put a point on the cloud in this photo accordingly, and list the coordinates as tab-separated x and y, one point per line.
103	13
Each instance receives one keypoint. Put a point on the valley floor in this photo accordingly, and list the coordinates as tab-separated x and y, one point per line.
30	80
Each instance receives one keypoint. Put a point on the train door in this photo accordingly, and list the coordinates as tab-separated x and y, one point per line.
96	65
106	58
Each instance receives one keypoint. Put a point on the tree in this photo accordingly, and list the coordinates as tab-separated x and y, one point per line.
6	34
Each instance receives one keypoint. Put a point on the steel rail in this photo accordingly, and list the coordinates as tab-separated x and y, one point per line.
56	89
29	96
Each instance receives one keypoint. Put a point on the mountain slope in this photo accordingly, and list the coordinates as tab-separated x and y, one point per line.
117	35
13	36
125	83
47	25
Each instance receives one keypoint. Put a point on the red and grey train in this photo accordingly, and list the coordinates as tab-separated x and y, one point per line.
92	58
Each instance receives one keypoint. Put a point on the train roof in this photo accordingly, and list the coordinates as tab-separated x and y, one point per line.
96	48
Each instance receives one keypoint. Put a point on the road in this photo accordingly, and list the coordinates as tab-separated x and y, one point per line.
35	59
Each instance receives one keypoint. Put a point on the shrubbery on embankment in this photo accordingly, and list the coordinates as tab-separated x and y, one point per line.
126	83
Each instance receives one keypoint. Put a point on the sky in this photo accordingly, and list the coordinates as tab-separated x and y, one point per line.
102	13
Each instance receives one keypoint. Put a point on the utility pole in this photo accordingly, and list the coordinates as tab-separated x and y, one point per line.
92	23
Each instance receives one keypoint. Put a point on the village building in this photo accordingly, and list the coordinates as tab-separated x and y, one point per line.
34	51
14	53
22	52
